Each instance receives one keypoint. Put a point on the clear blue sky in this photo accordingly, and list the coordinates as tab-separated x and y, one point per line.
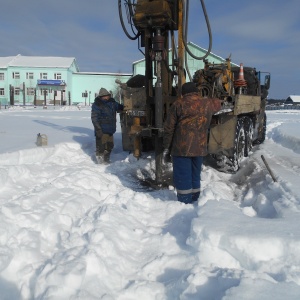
259	33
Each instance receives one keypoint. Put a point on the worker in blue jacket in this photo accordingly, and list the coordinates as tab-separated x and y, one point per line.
104	111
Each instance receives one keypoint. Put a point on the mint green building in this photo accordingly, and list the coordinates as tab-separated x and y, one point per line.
34	80
86	85
28	79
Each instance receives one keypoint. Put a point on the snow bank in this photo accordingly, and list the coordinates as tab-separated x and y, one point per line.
71	229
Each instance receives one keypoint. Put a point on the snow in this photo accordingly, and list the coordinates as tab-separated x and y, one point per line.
36	61
72	229
295	98
4	61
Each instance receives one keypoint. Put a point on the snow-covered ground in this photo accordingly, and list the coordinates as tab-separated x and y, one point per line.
72	229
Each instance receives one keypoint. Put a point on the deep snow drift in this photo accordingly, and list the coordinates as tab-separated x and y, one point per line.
71	229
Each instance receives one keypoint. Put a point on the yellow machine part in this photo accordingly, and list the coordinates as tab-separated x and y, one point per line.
155	13
246	104
221	136
135	130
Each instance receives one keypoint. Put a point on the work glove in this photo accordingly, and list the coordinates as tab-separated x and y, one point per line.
166	156
99	133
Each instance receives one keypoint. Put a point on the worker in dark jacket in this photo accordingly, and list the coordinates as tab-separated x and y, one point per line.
104	111
185	134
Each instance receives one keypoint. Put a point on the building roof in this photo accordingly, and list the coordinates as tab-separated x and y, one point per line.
103	73
205	50
294	98
4	61
37	61
198	47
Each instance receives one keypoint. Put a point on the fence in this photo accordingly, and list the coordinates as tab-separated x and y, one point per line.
281	107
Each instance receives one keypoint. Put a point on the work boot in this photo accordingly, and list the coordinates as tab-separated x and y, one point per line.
100	158
106	157
195	196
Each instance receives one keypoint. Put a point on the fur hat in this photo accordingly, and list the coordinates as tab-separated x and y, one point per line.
104	92
189	87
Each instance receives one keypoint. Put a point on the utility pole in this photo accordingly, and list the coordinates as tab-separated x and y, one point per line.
23	93
45	93
55	93
61	97
34	99
11	95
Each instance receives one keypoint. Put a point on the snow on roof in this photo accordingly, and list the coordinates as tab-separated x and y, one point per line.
36	61
295	98
103	73
4	61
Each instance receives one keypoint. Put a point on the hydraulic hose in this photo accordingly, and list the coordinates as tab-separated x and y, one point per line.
184	34
135	35
184	38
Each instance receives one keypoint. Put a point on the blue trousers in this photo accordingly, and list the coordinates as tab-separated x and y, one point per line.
186	177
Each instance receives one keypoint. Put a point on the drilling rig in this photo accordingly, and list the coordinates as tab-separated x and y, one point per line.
161	29
158	25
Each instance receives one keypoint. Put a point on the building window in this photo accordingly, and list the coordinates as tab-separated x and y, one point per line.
30	91
43	76
57	76
1	76
17	91
16	75
2	92
29	75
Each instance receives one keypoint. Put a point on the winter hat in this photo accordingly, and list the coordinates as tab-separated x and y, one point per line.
103	92
189	87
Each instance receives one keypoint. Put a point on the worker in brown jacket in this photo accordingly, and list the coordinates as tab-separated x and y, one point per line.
185	138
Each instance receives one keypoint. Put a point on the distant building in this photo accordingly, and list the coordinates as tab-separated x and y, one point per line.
292	99
86	85
25	79
50	80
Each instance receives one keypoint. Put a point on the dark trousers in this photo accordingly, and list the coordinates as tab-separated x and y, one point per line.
186	177
105	144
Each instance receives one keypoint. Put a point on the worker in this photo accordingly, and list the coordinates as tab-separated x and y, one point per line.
103	115
185	139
